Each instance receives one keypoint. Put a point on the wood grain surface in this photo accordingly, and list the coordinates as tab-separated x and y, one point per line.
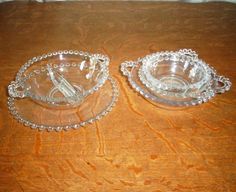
138	147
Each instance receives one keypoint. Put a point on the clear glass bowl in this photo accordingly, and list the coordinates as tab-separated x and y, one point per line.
61	79
178	74
174	78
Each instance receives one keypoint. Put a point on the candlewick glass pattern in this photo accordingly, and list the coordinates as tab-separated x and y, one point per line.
175	78
60	79
62	90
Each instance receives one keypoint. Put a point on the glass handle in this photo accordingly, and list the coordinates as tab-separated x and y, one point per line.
221	84
125	67
16	90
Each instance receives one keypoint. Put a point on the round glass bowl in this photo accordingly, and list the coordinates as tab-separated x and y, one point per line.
178	74
175	78
61	79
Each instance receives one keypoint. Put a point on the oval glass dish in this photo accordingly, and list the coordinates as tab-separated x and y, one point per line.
61	79
175	78
62	90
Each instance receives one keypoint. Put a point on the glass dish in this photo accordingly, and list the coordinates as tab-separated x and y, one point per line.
178	74
174	78
61	79
93	108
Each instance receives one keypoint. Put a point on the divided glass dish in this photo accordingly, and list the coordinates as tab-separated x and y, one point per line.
60	79
62	90
175	78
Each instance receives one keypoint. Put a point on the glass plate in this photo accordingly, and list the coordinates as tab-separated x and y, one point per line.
93	108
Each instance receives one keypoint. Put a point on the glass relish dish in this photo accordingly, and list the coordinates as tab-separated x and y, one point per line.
175	78
60	79
62	90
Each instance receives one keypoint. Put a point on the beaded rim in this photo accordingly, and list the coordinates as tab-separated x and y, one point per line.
30	62
19	118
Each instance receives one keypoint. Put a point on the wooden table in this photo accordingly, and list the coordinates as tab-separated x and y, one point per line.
138	147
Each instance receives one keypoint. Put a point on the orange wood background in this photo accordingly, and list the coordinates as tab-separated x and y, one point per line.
138	147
